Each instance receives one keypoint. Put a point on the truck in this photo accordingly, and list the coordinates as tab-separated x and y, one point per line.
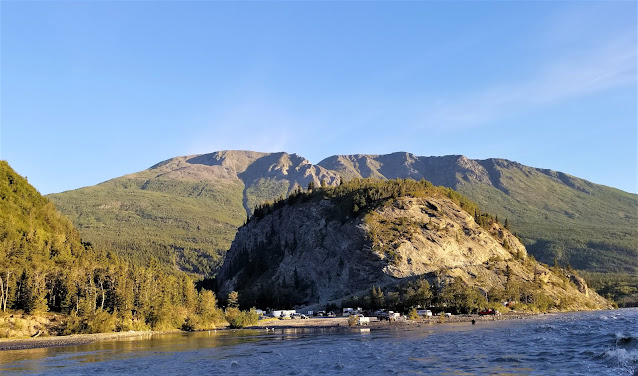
424	312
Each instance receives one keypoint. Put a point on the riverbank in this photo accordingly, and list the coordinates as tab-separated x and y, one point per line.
267	324
70	340
330	322
574	343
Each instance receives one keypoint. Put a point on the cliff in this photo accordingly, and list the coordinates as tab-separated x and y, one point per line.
335	244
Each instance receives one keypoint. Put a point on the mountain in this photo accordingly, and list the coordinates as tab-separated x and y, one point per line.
186	210
558	216
337	244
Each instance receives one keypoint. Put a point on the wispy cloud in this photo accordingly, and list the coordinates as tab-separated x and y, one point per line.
609	66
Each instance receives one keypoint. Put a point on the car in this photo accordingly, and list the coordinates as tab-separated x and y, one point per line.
489	311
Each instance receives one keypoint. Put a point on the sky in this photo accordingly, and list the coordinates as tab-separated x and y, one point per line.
94	90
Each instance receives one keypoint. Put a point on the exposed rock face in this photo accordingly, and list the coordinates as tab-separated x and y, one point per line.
442	236
265	176
332	257
580	283
550	210
335	256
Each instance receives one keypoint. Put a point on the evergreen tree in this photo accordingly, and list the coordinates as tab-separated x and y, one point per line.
233	300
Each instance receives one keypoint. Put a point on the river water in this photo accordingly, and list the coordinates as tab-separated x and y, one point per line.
586	343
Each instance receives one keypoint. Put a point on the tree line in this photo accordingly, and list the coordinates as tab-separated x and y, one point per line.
46	268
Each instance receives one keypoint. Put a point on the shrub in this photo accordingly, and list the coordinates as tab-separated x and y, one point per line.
241	319
412	314
192	323
353	320
74	324
100	322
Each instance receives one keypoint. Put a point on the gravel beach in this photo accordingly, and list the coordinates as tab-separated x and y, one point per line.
315	322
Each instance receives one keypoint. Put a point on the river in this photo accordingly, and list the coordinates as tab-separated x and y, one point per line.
583	343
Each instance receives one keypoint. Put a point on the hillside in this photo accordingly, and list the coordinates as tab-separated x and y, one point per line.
186	210
45	267
338	244
582	224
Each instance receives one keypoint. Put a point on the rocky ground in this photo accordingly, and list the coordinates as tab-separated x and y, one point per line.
72	340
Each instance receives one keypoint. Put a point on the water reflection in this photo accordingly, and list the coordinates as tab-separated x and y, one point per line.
154	345
124	348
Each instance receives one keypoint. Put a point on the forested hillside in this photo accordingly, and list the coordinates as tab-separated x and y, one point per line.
45	267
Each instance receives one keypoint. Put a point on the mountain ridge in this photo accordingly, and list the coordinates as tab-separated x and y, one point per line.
215	192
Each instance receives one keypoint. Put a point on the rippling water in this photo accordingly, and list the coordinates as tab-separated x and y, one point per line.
592	343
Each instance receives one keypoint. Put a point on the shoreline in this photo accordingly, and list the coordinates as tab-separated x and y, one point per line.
7	344
70	340
342	322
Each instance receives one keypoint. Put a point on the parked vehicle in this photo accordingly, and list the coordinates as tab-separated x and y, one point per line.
424	312
489	311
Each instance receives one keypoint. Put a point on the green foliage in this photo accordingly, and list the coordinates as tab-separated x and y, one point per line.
45	267
233	299
418	293
619	287
461	297
183	224
376	298
588	226
265	190
241	319
412	314
100	322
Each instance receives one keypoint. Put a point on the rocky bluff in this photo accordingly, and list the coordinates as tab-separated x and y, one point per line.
339	243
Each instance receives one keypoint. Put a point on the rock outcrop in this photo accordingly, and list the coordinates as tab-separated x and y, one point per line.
329	256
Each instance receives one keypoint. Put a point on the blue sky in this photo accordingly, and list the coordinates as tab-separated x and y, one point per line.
95	90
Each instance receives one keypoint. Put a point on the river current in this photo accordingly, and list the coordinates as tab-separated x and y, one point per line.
585	343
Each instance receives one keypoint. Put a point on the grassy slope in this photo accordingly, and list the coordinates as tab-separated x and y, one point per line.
184	223
589	226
